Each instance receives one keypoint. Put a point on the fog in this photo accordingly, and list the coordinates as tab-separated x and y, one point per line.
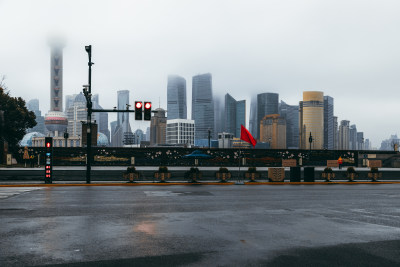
347	49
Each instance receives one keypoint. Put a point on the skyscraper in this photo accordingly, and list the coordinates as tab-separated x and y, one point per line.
235	115
328	123
312	120
176	98
101	118
360	141
368	144
273	131
344	135
253	116
335	133
123	117
77	113
69	101
33	105
240	116
158	127
230	114
219	116
123	128
202	105
353	137
267	104
291	115
55	120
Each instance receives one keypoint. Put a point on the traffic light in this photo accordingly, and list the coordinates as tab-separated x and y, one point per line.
48	144
147	111
138	110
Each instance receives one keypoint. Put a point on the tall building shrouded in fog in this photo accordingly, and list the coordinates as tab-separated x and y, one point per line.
312	120
253	116
202	105
291	114
176	98
353	137
219	115
328	123
235	115
55	120
122	133
267	104
101	118
33	105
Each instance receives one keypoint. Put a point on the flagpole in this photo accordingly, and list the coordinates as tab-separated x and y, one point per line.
240	153
247	137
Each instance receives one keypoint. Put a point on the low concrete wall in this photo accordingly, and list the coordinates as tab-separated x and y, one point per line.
116	174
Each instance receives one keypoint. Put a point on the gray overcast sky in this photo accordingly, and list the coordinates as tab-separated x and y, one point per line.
347	49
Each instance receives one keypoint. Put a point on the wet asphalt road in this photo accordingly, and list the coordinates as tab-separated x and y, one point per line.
290	225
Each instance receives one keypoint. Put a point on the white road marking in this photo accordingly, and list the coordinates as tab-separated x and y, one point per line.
161	194
6	192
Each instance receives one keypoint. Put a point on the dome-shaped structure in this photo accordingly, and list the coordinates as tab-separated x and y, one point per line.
56	121
102	139
27	139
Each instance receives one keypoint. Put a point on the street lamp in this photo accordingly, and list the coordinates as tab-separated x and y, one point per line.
87	91
310	139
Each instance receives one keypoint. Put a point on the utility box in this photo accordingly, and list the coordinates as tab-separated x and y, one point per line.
295	174
94	134
309	174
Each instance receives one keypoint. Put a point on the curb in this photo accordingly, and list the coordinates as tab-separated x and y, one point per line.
200	183
115	184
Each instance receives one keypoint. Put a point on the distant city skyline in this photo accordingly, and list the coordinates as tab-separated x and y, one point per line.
347	50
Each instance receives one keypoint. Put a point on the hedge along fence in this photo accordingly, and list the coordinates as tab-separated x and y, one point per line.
163	156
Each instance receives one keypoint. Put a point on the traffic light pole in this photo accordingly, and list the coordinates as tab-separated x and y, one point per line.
88	95
87	91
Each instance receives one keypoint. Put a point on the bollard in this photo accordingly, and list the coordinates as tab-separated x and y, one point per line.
309	175
295	174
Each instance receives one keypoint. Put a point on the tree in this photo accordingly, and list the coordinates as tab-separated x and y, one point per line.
15	118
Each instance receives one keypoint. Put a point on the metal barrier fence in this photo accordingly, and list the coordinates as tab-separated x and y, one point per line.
163	156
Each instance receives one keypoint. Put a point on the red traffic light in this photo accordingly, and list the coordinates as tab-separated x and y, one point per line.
48	144
147	111
138	104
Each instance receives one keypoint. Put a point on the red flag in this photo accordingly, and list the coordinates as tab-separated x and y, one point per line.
246	136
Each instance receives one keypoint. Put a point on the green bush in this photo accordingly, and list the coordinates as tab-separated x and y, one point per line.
194	170
374	170
223	170
163	169
328	170
252	169
131	169
351	170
